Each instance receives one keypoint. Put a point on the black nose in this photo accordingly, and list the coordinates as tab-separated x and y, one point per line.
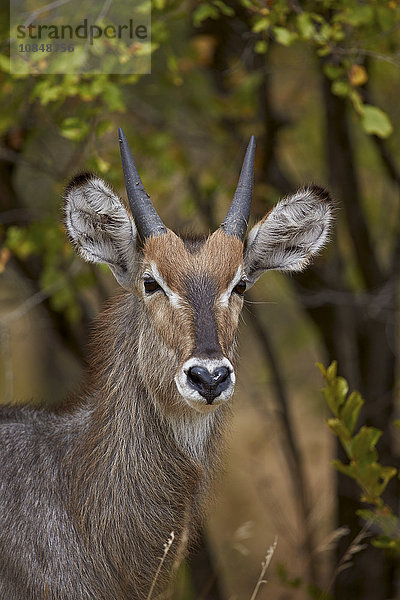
209	385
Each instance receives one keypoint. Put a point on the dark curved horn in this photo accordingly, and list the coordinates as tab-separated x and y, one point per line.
146	218
236	220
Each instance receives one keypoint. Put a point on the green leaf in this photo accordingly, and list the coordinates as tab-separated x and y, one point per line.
335	393
331	371
341	389
324	50
284	36
203	12
385	475
351	410
375	121
333	71
74	128
315	592
363	444
374	478
260	47
261	25
104	126
367	515
325	32
112	96
383	518
349	470
371	477
20	242
4	63
305	25
224	8
330	399
356	99
386	542
385	17
341	88
284	577
45	92
339	429
358	14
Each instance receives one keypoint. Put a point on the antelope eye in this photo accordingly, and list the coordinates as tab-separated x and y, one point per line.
240	287
150	285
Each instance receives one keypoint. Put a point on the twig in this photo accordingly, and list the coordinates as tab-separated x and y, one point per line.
104	10
35	13
365	52
12	156
264	567
38	297
167	547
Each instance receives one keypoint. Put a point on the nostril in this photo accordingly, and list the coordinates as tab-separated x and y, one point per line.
200	376
220	375
208	384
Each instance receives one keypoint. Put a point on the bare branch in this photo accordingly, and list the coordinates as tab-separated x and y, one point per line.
46	8
371	53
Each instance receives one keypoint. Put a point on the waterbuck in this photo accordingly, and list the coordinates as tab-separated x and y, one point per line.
89	493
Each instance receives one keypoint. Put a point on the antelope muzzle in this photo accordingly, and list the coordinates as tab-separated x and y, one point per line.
206	383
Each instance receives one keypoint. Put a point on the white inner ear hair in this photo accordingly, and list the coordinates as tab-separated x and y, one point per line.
98	223
293	232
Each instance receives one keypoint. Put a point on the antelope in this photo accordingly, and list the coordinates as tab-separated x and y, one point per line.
90	492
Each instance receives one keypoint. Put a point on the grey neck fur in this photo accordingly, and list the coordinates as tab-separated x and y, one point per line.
158	467
112	478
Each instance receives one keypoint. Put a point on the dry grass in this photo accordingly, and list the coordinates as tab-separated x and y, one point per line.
167	547
264	566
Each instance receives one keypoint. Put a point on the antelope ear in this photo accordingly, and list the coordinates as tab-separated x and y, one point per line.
290	235
99	226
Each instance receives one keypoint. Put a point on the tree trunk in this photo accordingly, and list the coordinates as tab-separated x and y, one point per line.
373	365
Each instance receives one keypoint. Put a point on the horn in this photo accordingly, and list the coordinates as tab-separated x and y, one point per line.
236	220
146	218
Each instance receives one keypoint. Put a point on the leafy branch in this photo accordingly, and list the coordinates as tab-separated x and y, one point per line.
360	447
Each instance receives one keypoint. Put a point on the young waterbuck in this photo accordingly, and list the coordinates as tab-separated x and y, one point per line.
89	494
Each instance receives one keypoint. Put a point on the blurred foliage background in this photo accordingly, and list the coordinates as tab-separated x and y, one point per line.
317	82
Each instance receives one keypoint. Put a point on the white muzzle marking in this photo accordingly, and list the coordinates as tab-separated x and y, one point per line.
193	397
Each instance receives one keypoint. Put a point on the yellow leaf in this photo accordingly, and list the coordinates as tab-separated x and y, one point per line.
204	46
358	75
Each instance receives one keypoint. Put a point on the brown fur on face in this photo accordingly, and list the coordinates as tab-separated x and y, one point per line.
218	260
219	256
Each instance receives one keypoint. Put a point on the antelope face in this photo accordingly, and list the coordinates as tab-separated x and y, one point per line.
191	291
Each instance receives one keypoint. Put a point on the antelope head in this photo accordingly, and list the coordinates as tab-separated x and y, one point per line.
190	291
